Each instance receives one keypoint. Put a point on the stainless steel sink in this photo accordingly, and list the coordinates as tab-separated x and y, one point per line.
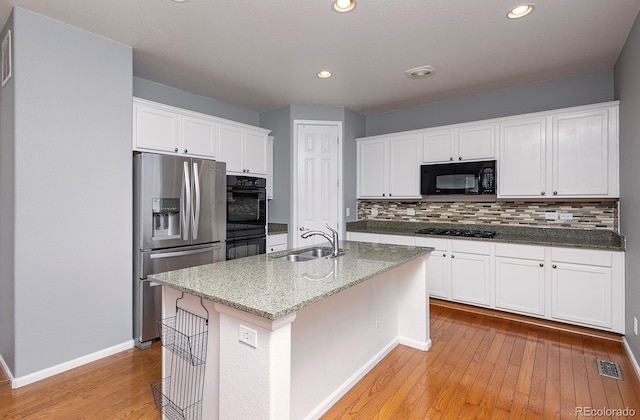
318	253
297	258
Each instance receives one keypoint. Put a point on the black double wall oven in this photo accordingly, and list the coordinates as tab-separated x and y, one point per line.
246	216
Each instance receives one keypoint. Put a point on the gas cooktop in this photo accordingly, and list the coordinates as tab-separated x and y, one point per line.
467	233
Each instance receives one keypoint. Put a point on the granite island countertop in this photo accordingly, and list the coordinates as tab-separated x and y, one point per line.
271	288
526	235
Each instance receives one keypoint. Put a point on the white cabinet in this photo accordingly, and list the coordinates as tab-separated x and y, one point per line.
389	167
245	151
587	288
520	279
459	143
571	285
276	243
564	154
165	129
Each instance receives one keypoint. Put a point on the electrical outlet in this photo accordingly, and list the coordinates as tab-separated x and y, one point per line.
551	215
248	336
348	211
411	212
635	325
377	320
566	216
374	212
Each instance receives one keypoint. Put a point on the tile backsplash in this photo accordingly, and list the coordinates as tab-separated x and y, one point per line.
585	214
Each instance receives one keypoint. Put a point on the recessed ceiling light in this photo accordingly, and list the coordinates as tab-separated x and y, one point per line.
520	11
420	72
180	1
324	74
344	6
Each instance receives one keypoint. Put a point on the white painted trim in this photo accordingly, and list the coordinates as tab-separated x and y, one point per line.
325	405
418	345
634	362
255	319
63	367
6	371
294	169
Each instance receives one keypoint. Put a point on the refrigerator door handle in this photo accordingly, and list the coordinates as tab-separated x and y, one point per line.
186	201
183	253
196	210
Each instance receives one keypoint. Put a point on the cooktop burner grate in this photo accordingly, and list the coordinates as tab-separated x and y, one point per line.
467	233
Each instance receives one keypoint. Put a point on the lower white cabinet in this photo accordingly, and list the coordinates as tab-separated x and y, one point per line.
571	285
276	243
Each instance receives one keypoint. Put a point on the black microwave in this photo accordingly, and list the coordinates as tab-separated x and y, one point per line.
458	178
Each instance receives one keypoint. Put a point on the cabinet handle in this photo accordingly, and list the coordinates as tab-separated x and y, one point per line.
541	265
175	150
554	266
555	193
542	193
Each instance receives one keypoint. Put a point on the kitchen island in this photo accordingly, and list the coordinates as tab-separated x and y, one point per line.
310	329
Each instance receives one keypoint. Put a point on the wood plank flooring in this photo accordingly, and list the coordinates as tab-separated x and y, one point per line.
481	366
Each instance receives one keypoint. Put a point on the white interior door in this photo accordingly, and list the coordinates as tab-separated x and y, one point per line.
317	187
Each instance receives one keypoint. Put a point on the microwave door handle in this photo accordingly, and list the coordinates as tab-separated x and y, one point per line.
195	214
186	201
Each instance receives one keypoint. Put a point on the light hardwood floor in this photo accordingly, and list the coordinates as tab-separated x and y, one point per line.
480	366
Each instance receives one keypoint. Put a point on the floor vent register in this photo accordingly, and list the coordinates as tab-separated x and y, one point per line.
610	369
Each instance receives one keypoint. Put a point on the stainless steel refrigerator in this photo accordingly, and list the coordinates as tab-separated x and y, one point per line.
179	221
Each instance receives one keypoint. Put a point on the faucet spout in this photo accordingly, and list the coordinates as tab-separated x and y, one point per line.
333	239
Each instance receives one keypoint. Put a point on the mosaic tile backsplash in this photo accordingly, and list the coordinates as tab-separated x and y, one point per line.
586	215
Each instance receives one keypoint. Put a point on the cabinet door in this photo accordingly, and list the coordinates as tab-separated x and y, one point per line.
439	146
581	294
372	173
477	142
404	166
231	147
522	165
438	273
520	285
580	154
199	137
156	129
256	151
470	281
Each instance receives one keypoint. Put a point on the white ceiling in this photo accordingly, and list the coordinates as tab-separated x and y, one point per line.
264	54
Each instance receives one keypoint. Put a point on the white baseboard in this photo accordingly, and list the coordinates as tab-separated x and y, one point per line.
345	387
418	345
62	367
634	362
5	369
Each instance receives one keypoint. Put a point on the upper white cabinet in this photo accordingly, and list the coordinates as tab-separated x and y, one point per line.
562	154
245	151
389	167
459	143
165	129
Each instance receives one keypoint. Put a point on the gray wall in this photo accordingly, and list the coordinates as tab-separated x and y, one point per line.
7	215
354	127
73	197
627	90
577	90
157	92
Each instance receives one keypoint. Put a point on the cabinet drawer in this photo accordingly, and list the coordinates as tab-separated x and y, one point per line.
520	251
397	240
471	247
441	244
581	256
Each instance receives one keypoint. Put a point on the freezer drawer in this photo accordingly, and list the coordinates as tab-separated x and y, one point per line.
176	258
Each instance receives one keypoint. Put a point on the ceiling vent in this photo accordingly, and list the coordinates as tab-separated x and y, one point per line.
420	72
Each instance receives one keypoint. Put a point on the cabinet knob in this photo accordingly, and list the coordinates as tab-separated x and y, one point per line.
555	193
541	265
453	256
554	266
384	195
389	194
451	158
542	193
185	150
444	255
301	228
459	157
175	150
